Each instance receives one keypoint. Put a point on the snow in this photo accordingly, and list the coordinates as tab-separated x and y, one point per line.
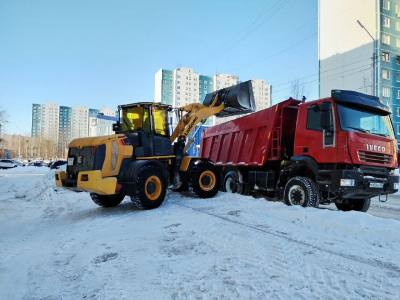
57	244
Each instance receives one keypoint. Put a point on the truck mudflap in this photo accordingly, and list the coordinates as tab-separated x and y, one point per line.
356	184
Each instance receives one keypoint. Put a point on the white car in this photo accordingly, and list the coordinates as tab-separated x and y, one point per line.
7	164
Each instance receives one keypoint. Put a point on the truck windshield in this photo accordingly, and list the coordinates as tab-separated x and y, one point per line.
364	120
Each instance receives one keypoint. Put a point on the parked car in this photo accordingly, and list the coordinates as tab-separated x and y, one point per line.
7	164
57	164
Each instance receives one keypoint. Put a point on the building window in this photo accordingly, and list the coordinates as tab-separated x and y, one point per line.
386	4
385	74
396	9
385	91
398	43
398	26
398	111
386	22
385	39
385	56
398	94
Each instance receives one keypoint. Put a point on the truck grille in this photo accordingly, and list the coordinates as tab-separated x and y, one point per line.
376	158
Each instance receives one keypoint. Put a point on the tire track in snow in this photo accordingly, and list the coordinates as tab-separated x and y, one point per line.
373	263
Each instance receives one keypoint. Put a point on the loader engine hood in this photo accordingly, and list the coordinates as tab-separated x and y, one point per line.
103	153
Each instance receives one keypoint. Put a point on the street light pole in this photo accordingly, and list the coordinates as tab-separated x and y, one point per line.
373	58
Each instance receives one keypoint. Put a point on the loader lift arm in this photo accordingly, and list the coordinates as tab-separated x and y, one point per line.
195	114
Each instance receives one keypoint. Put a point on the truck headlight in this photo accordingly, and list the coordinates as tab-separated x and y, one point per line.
347	182
396	185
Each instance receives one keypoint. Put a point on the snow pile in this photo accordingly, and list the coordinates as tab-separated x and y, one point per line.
58	244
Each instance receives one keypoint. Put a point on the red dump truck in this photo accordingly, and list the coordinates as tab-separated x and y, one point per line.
340	149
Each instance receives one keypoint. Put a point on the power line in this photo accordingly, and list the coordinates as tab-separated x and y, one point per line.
323	72
332	76
261	19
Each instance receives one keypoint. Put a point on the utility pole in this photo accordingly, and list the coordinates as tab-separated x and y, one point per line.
373	58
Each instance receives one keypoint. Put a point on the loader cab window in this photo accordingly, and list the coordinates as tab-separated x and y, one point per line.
160	117
135	119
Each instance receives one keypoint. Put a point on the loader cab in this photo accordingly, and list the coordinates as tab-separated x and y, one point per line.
151	118
146	126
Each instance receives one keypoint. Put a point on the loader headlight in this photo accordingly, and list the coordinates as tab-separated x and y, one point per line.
347	182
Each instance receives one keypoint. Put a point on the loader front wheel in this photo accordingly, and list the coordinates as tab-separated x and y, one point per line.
107	200
205	180
151	188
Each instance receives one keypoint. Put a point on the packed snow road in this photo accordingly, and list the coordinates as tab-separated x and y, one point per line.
59	245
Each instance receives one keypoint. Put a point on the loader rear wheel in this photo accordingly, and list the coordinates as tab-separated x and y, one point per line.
205	180
107	200
354	204
301	191
151	188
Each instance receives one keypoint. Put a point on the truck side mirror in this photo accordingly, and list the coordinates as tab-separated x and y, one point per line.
326	116
116	127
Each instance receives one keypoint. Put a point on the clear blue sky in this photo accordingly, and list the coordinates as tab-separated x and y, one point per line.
105	53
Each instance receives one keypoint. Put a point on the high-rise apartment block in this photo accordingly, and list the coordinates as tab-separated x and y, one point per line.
359	49
61	124
183	86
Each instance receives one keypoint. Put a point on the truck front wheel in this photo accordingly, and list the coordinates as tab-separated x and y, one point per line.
107	200
354	204
151	188
301	191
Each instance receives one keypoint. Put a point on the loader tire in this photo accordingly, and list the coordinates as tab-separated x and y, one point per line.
107	200
151	188
355	204
301	191
205	180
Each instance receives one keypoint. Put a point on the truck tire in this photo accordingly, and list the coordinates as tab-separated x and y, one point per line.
205	180
107	200
231	183
355	204
301	191
150	188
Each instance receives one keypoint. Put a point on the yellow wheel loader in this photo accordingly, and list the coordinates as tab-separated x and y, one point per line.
142	158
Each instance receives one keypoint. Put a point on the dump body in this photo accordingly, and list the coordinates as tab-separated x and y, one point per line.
254	139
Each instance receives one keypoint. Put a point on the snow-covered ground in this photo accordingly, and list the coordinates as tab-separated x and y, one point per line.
59	245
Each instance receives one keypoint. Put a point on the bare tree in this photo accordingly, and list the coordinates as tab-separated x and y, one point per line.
3	121
297	89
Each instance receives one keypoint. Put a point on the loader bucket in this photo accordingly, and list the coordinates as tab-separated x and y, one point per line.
238	99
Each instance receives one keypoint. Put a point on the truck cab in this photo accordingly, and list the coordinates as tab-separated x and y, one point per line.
348	146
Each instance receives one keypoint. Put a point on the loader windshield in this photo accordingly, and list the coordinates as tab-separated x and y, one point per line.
364	120
135	118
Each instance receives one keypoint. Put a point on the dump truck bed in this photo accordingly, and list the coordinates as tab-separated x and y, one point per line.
254	139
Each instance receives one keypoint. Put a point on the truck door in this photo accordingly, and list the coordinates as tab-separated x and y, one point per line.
316	133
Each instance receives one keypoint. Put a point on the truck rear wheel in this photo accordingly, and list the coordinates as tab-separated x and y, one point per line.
231	183
151	188
354	204
301	191
205	180
107	200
